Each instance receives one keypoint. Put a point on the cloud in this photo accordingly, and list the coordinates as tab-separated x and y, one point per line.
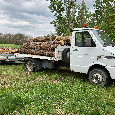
26	16
89	4
30	17
33	7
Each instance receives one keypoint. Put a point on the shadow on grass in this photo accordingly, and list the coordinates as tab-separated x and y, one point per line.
66	73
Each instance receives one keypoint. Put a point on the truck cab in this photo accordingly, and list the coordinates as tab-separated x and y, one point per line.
92	52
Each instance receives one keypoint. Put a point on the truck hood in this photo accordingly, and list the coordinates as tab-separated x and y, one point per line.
110	49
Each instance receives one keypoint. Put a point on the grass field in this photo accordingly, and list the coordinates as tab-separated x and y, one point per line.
10	45
58	91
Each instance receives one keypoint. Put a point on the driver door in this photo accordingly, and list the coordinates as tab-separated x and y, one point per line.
83	52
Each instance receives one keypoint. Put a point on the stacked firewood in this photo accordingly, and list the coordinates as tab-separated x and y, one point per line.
36	48
44	46
7	50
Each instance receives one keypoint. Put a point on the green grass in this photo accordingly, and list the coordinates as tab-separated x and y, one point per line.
52	92
10	45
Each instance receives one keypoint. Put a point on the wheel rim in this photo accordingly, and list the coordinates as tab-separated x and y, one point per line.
29	66
97	78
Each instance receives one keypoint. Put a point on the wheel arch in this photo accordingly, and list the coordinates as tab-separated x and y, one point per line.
98	66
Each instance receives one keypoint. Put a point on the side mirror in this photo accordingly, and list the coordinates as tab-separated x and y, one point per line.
71	30
88	41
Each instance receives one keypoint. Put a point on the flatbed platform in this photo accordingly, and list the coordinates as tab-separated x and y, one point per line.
10	58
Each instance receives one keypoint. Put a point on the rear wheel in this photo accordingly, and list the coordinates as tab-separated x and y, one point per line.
99	77
33	65
30	67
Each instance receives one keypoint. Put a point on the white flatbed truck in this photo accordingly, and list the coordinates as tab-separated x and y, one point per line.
92	52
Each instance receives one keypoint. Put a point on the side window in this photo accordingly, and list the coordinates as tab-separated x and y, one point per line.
78	39
84	39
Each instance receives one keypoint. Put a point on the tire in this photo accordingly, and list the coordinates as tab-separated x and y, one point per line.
66	55
99	77
32	65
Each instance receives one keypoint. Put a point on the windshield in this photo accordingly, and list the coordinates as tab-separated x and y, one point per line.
103	38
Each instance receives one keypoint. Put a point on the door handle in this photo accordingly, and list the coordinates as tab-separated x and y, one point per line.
75	50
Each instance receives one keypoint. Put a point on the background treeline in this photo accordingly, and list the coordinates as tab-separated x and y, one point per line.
17	39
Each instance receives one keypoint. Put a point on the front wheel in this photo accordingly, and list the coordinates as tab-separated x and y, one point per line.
99	77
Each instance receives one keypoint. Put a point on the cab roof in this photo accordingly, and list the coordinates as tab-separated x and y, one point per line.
80	29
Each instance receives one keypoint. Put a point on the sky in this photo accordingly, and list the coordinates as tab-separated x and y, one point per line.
29	17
